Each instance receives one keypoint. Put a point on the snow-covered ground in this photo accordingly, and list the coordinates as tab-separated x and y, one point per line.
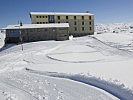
30	86
2	37
84	68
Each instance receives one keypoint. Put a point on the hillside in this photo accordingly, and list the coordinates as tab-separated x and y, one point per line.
84	68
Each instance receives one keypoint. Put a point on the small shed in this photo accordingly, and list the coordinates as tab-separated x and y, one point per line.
37	32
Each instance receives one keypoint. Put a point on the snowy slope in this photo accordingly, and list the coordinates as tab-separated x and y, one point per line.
31	86
119	41
105	60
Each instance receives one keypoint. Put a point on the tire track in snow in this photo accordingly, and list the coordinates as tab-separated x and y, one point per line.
52	58
33	59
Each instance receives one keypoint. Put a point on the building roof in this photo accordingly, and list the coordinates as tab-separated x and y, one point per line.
58	13
27	26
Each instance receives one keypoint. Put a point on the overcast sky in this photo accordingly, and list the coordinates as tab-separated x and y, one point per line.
106	11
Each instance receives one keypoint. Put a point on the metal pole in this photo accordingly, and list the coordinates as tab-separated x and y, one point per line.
20	38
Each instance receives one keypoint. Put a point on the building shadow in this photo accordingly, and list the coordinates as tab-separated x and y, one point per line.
7	46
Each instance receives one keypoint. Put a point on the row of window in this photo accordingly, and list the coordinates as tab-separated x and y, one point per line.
13	31
34	30
67	17
83	28
42	22
41	16
75	17
75	23
83	23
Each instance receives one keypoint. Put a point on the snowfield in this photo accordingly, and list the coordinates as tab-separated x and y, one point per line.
37	87
97	67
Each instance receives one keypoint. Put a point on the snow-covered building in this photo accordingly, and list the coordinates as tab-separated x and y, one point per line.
80	23
37	32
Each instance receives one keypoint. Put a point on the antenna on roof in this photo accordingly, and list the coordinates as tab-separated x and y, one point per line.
87	11
21	24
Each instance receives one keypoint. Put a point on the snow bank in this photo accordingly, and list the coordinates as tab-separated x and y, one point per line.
32	86
112	87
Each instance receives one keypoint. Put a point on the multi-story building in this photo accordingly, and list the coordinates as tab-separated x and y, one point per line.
80	23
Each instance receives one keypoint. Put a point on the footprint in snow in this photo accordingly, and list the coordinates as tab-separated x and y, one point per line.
40	87
60	98
55	85
40	82
55	89
35	81
60	95
48	83
10	96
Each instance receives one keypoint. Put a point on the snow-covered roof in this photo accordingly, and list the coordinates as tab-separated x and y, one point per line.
26	26
58	13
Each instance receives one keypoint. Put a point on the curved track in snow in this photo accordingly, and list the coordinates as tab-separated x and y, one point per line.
99	52
22	85
117	90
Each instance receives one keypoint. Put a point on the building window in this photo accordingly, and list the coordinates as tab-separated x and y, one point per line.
75	28
23	31
90	18
30	30
62	29
43	22
58	17
67	22
67	17
40	16
11	31
75	17
90	23
83	28
46	29
83	23
46	17
90	28
82	17
40	22
58	21
36	16
53	30
38	30
37	22
75	23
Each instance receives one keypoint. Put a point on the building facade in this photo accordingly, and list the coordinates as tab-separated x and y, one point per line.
36	32
80	23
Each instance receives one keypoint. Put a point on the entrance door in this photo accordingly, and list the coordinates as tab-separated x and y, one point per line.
51	19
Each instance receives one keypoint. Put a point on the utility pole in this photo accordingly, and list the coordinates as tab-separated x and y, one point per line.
21	40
